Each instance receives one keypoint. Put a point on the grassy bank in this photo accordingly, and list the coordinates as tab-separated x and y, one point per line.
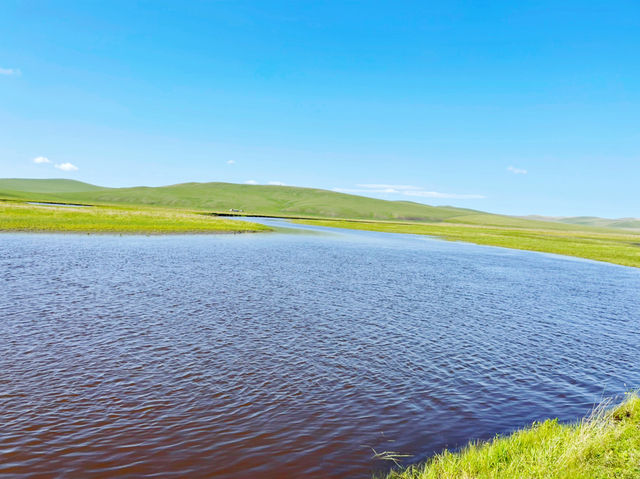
15	216
606	445
172	209
615	246
270	200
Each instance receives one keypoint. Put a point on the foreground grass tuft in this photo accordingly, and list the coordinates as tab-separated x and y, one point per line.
38	218
605	445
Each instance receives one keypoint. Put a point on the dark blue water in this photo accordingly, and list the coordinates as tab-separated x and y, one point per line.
284	355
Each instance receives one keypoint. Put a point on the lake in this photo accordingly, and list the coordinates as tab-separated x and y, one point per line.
284	355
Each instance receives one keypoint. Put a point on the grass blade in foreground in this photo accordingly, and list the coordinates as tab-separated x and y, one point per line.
605	445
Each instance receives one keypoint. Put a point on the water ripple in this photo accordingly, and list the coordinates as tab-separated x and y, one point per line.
292	355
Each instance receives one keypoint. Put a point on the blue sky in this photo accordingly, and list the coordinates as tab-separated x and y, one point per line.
509	107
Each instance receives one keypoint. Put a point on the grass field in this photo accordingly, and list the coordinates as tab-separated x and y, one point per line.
270	200
264	200
25	217
613	246
605	445
173	209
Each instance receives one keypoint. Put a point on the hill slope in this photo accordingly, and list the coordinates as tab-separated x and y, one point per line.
321	207
53	185
221	197
265	200
628	223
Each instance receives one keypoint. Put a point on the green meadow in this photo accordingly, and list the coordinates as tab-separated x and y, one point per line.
179	208
266	200
613	246
604	446
99	219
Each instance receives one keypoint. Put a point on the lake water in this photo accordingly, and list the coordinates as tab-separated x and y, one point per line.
70	205
290	355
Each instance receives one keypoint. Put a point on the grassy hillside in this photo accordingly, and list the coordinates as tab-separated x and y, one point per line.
606	445
270	200
628	223
633	223
220	197
321	206
22	185
260	200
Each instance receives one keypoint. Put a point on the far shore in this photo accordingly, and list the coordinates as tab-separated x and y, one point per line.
612	246
52	218
621	248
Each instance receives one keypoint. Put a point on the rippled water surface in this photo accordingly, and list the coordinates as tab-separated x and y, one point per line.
282	355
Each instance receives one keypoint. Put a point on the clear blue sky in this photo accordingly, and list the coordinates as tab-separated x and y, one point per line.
509	107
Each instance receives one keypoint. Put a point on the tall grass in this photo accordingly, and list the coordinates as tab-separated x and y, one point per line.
604	445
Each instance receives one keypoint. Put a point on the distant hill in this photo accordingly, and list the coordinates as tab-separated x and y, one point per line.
627	223
267	200
54	185
222	197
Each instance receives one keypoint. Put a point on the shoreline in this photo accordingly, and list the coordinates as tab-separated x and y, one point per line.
18	216
613	248
22	217
604	444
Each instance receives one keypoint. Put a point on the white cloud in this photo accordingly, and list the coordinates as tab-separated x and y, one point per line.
435	194
517	171
404	190
41	160
66	167
276	183
231	162
390	187
9	71
251	182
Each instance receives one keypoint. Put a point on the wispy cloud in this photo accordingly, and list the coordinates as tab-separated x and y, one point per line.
41	160
517	171
66	167
276	183
389	187
231	162
10	71
251	182
405	190
435	194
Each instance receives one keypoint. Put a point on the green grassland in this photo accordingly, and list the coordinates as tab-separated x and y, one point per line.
36	218
266	200
605	445
262	200
628	223
613	246
321	207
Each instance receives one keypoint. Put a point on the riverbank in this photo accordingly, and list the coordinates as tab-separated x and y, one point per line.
606	445
609	246
24	217
612	246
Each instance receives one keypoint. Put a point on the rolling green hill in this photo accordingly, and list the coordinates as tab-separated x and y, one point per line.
269	200
53	185
186	208
633	223
251	199
627	223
